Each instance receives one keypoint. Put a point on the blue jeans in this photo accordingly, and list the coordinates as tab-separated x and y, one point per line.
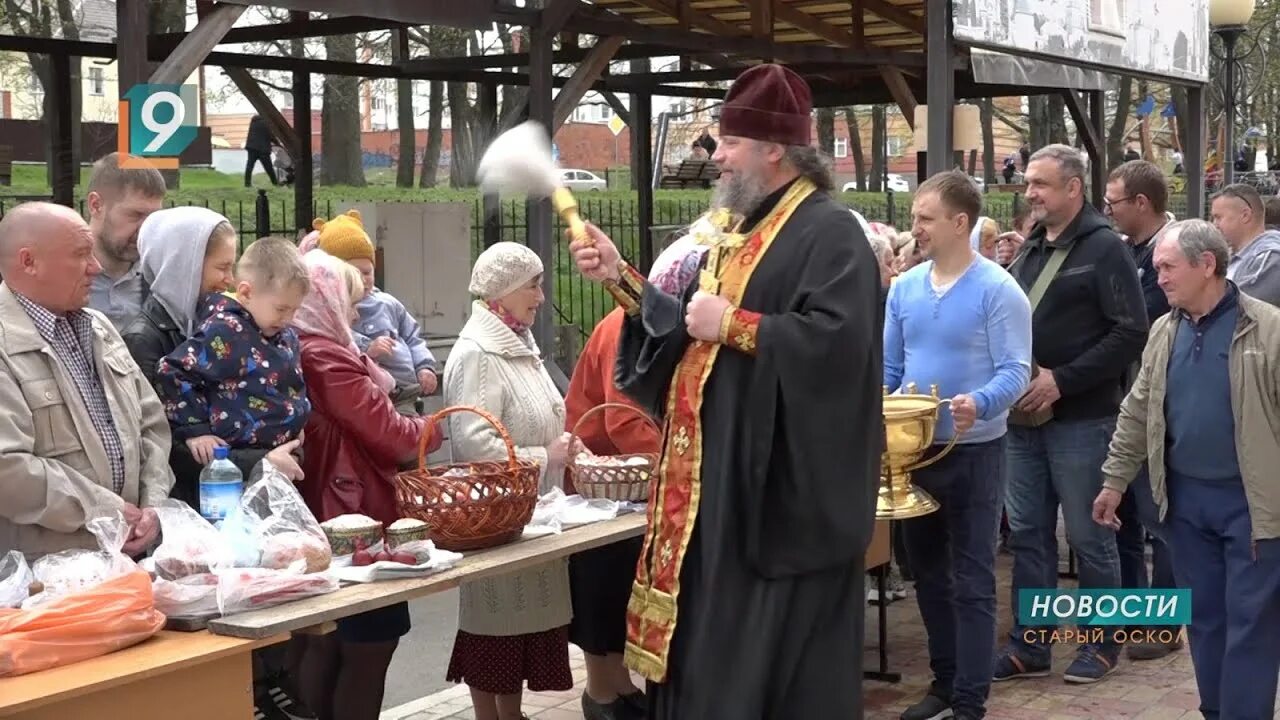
1058	462
953	555
1235	598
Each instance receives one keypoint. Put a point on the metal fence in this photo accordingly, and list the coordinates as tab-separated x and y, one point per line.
576	301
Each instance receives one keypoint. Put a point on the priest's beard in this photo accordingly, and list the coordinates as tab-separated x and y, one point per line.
741	193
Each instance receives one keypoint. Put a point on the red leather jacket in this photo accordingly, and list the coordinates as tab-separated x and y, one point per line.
355	440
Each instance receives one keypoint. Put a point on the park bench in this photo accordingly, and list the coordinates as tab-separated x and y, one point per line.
691	174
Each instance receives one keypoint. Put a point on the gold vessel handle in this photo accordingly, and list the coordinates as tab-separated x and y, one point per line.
951	444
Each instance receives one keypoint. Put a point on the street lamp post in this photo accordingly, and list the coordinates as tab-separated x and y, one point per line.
1229	20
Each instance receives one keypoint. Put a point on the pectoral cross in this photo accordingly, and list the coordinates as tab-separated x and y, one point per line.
726	243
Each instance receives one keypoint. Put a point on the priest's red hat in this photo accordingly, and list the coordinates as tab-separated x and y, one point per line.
771	103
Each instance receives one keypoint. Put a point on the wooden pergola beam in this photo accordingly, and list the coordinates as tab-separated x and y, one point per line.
291	30
762	17
814	26
509	60
473	14
898	87
587	73
615	102
190	54
695	18
257	97
896	15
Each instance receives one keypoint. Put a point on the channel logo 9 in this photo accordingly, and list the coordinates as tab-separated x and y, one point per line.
157	122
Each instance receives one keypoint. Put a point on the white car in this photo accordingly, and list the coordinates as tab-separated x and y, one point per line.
895	182
582	180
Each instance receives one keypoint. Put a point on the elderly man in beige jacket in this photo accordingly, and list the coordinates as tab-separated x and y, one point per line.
82	433
1204	414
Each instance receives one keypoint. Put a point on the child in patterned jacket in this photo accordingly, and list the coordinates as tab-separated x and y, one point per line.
237	381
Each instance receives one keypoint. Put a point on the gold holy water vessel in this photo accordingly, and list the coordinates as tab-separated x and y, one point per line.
909	422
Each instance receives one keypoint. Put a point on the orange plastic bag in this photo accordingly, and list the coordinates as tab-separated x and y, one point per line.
108	617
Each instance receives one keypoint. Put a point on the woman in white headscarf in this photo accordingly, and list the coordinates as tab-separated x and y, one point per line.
186	253
512	630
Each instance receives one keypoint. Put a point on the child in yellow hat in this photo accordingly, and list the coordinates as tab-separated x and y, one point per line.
384	330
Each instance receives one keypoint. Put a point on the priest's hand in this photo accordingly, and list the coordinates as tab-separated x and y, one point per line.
1104	508
703	316
596	259
1041	395
964	413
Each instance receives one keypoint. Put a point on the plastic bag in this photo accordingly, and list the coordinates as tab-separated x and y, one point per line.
113	615
189	545
273	528
192	596
15	579
73	571
243	589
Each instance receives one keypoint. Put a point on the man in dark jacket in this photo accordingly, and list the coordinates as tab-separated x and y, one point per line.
257	149
1089	325
1136	200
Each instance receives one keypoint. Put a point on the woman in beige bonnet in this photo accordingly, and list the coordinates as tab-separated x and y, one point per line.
512	630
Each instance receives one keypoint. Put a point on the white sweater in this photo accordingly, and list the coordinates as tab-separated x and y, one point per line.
490	367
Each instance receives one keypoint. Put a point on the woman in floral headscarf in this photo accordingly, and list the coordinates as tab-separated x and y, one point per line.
355	444
512	630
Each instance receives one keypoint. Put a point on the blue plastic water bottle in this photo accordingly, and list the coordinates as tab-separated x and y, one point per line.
220	486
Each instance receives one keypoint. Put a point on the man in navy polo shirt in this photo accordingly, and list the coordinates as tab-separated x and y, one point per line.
1204	414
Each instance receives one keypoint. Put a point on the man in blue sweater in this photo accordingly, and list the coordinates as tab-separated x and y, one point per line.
958	321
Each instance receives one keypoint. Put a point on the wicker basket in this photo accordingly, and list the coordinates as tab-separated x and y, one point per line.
488	505
629	483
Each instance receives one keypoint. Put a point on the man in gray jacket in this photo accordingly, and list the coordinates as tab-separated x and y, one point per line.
82	434
1255	251
1204	414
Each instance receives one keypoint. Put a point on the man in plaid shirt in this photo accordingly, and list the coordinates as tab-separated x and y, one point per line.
82	434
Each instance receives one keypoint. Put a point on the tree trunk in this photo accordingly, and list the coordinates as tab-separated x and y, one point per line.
855	147
1048	120
462	158
435	136
878	159
407	161
1115	133
341	158
827	130
988	141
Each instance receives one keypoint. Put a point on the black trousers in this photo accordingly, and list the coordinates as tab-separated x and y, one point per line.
254	157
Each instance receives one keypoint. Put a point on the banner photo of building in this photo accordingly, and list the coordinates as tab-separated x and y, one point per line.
1168	38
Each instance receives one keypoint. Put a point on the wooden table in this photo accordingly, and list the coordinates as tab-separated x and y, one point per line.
195	676
357	598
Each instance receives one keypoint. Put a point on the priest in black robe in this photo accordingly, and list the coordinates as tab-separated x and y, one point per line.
748	602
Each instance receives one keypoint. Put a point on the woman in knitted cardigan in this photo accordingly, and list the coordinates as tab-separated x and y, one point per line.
513	630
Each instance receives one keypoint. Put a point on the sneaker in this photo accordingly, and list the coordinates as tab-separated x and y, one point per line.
264	708
1013	665
1153	651
895	588
1092	664
932	707
290	704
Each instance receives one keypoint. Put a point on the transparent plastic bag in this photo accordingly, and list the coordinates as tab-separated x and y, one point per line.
107	617
273	528
244	589
192	596
15	579
189	544
72	571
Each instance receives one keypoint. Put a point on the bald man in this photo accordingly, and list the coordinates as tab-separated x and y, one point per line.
82	434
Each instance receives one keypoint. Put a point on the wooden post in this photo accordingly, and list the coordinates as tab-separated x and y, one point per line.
303	172
642	167
1098	163
491	203
62	160
1193	154
538	211
941	89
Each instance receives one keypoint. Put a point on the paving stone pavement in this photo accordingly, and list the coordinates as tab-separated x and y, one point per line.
1153	690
